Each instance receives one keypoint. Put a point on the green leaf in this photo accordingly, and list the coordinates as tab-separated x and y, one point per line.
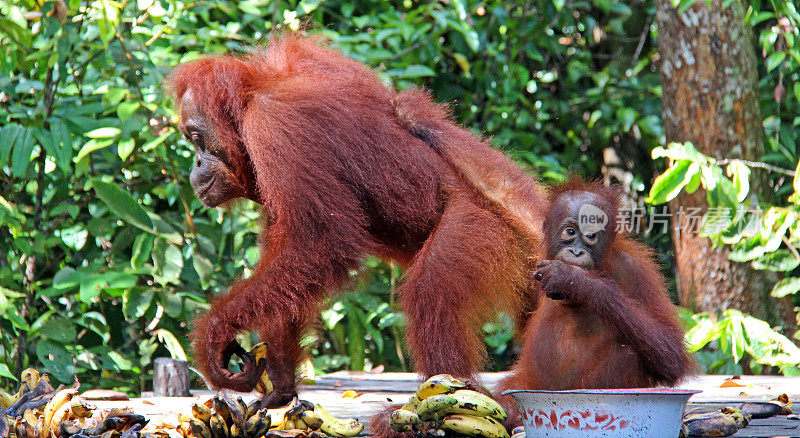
135	303
778	261
106	132
5	372
58	362
91	146
122	204
168	262
628	117
142	247
127	109
775	59
741	178
125	148
21	154
171	342
412	71
59	329
669	184
787	286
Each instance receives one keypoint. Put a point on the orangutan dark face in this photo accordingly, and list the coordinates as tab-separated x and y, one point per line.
213	178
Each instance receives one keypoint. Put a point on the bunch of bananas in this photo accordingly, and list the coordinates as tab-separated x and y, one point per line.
224	417
39	411
443	402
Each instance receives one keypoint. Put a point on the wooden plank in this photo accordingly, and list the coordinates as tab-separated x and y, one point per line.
778	426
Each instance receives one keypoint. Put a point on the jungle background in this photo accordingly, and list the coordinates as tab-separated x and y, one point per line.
106	254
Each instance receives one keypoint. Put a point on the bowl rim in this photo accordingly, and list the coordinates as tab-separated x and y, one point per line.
621	391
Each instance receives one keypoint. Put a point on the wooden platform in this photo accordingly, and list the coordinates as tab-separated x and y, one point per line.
375	391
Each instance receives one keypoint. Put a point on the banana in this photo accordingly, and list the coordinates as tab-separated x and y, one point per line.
710	424
41	430
201	412
413	403
288	424
403	420
60	399
252	408
7	399
236	431
311	418
222	409
258	424
486	427
435	404
217	426
30	377
337	427
300	424
474	403
259	352
242	406
235	411
198	428
439	384
60	414
81	409
30	417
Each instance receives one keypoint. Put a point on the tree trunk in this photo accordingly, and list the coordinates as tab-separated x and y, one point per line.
710	98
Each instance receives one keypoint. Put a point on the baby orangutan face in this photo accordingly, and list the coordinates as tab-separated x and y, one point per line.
579	230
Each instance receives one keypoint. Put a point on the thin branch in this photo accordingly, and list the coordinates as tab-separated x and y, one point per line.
642	39
791	247
759	165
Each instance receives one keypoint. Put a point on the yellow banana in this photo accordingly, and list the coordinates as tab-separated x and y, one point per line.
413	403
469	425
60	414
311	418
30	417
30	377
338	427
236	431
474	403
234	408
259	352
7	399
300	424
217	426
198	428
222	409
435	404
403	420
201	412
41	430
439	384
81	409
60	399
258	424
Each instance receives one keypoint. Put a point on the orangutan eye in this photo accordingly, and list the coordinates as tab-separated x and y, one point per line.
568	233
590	238
197	139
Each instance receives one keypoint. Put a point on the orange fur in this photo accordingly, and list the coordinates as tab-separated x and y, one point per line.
346	167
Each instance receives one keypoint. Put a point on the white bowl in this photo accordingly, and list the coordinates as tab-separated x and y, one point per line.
636	413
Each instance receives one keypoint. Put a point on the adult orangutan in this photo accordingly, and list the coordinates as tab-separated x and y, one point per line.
603	318
346	167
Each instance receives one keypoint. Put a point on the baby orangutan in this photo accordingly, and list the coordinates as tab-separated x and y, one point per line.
603	318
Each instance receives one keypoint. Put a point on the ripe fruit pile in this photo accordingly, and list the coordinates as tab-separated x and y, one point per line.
224	417
443	403
39	411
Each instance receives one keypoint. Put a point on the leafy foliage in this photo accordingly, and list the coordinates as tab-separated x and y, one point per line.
105	253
